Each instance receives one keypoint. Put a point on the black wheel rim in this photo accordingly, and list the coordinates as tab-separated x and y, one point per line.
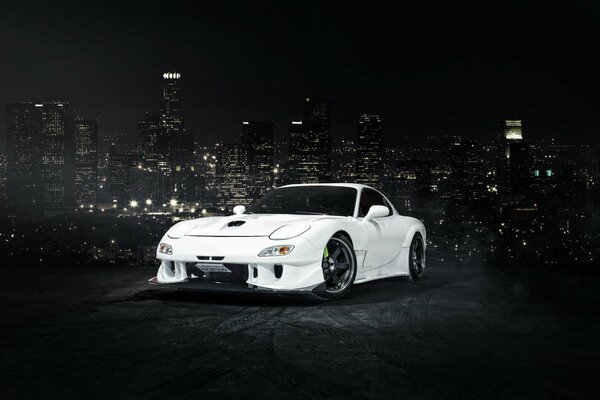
418	257
338	265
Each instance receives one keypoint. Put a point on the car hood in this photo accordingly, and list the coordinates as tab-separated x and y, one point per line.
248	224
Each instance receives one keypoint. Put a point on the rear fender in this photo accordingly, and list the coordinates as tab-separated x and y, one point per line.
417	226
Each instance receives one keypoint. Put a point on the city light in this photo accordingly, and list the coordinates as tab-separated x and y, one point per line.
133	204
148	202
173	202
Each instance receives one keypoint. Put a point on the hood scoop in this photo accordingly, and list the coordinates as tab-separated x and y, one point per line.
236	223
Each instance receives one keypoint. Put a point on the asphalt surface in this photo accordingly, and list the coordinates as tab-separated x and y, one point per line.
460	333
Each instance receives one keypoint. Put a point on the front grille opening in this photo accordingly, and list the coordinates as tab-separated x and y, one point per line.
209	258
238	273
255	272
278	269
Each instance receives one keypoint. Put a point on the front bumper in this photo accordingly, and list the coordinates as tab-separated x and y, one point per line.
298	272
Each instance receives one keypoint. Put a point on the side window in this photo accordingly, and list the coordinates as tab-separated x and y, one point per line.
369	198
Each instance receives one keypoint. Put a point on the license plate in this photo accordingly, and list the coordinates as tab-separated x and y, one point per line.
212	268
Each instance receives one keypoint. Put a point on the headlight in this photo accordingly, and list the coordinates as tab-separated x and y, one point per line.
165	248
276	251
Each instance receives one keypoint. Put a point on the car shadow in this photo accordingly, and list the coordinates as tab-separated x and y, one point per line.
383	290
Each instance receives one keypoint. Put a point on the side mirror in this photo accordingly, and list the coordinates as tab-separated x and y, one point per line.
239	210
376	212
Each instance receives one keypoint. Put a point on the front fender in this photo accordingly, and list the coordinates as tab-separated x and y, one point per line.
322	230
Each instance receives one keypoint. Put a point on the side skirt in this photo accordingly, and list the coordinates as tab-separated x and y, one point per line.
397	267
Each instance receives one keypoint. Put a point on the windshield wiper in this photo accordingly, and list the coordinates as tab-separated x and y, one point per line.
308	213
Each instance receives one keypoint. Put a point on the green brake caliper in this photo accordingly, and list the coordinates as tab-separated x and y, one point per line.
325	253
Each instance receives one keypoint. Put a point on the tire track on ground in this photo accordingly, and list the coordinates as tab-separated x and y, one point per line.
188	382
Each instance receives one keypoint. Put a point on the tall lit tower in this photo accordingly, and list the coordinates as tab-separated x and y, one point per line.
171	107
257	140
171	123
512	129
178	162
513	167
368	150
303	158
57	155
317	132
23	157
148	137
232	175
86	161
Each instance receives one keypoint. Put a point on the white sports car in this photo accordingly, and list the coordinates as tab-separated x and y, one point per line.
312	238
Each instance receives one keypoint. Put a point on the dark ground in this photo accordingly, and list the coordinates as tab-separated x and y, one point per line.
461	333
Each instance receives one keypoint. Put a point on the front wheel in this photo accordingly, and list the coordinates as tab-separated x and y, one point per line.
416	258
339	267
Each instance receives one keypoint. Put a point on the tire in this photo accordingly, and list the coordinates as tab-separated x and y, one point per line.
416	258
338	281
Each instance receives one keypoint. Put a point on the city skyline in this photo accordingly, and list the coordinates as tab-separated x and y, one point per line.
131	137
54	160
426	75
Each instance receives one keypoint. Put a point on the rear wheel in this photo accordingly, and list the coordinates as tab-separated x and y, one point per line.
416	258
339	267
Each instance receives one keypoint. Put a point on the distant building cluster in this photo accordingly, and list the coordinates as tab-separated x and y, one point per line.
56	164
499	198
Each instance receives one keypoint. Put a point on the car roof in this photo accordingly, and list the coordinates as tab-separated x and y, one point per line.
357	186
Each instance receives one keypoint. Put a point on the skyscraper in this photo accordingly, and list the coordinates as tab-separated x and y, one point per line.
317	131
41	156
232	174
171	106
519	167
23	157
513	165
466	162
368	150
119	166
150	140
58	155
303	163
179	163
343	154
257	142
86	161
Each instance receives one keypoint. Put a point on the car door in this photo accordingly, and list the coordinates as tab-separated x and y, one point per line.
384	234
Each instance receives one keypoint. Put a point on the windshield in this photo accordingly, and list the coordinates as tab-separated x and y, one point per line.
310	199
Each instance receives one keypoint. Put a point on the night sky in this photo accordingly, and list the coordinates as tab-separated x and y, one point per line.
429	69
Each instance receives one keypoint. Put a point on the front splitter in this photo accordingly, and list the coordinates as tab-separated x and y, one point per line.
222	287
